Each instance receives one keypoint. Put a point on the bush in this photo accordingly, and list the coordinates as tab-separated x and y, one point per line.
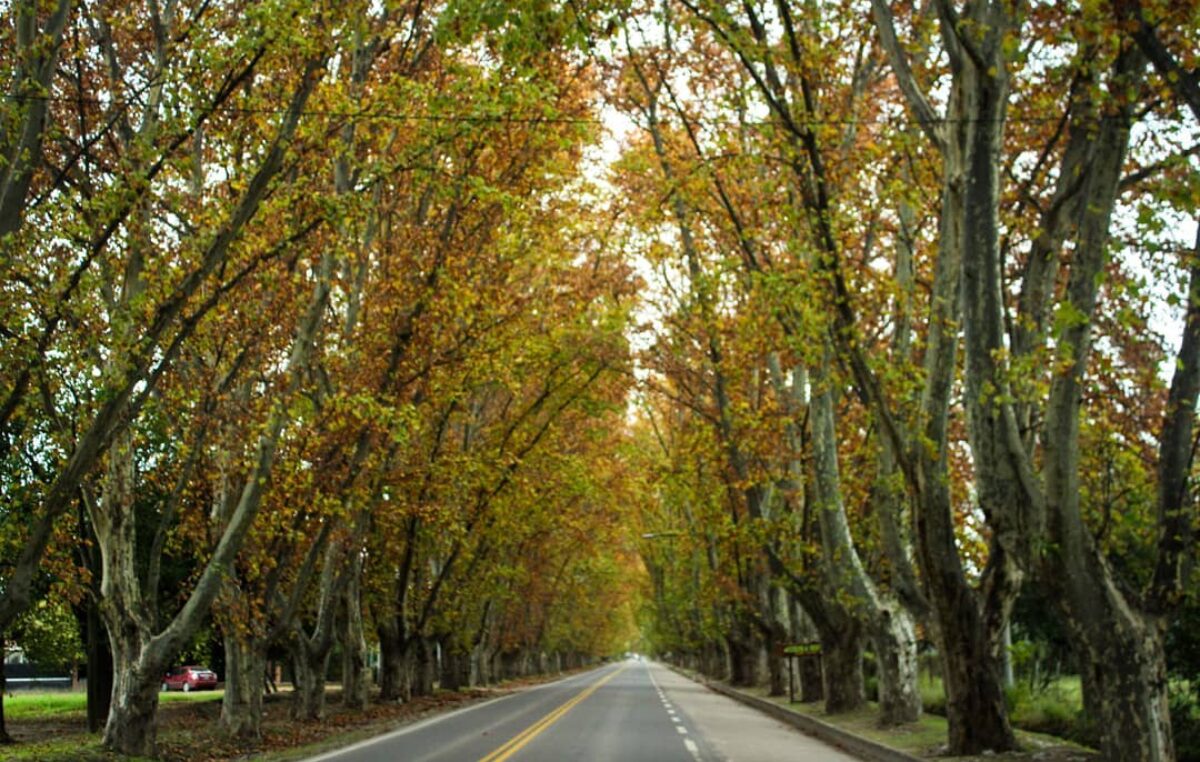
1185	725
933	696
1053	711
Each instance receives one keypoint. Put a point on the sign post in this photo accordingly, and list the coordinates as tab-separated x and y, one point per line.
801	651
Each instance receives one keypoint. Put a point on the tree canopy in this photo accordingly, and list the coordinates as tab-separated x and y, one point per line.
502	337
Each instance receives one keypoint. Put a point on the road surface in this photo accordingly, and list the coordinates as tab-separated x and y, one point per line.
624	712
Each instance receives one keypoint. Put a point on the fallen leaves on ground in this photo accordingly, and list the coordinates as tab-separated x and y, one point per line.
188	730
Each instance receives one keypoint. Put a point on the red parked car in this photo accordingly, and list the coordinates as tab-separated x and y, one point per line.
189	679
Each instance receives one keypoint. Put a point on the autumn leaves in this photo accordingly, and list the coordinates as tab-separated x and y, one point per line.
305	326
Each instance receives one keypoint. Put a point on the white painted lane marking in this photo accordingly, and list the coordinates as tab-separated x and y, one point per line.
691	745
422	724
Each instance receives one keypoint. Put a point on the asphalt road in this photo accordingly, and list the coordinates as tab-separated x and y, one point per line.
624	712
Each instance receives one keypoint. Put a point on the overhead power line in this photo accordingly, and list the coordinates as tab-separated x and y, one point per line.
453	118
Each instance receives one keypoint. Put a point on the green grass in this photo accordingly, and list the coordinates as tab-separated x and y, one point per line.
917	738
933	696
924	738
47	704
70	748
1055	709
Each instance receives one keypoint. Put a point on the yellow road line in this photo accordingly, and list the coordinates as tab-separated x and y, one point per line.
516	743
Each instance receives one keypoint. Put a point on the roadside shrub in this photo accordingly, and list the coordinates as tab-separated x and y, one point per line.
1056	710
1048	712
933	695
1185	725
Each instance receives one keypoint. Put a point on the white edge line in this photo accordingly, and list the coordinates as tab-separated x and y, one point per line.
691	745
334	754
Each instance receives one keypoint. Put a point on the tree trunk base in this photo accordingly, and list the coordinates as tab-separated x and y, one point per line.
132	727
843	671
241	706
896	658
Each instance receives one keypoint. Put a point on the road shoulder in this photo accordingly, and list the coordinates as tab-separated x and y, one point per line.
736	731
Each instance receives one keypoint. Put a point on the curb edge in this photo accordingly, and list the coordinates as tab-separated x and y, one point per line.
864	748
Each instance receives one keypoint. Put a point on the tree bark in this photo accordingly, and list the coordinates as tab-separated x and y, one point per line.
776	640
842	662
132	719
743	655
1125	681
812	680
99	668
242	703
308	668
140	656
354	644
892	629
456	665
392	673
37	51
895	639
967	627
808	668
423	667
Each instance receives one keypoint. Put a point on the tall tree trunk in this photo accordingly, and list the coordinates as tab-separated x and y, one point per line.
131	726
812	680
1125	681
808	668
743	657
392	672
891	628
241	705
132	718
99	668
448	670
354	642
967	626
842	660
971	669
141	652
308	668
423	666
712	660
776	669
1124	668
456	665
895	637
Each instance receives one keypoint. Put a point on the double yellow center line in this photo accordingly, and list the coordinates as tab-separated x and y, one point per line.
518	742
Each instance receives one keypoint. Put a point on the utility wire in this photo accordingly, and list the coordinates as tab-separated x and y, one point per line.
400	116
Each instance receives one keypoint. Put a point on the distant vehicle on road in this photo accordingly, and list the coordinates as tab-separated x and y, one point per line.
188	679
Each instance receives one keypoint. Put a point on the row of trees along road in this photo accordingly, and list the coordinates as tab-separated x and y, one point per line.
314	330
308	335
925	333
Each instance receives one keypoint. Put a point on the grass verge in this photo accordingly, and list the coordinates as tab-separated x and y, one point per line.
36	705
52	727
926	738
